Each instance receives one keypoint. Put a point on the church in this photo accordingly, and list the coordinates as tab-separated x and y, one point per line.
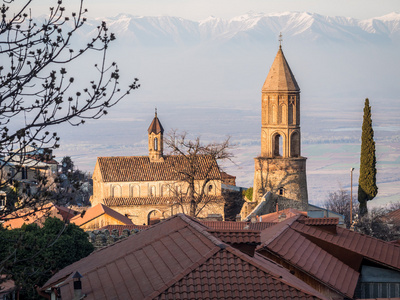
281	170
149	188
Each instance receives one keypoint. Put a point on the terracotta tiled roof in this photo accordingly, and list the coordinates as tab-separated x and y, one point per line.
305	255
369	247
238	236
280	77
178	258
126	201
95	212
394	216
277	216
331	258
139	168
225	175
66	212
231	225
155	126
38	216
321	221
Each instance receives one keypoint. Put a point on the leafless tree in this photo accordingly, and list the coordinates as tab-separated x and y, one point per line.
377	224
37	91
339	201
197	168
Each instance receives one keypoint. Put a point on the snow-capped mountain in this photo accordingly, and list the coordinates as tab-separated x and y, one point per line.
304	26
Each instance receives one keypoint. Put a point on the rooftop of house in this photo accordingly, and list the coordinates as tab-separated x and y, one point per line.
38	215
97	211
394	216
179	257
333	257
280	215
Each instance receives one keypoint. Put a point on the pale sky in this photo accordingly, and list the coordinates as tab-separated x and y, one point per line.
197	10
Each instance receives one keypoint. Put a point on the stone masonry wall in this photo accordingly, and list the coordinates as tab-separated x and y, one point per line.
285	178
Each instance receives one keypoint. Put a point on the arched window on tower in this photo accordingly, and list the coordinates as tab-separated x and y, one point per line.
277	145
295	144
156	144
291	109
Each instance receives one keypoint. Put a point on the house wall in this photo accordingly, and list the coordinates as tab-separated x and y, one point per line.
100	221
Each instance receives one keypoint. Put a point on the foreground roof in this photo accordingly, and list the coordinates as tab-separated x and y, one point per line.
140	168
331	257
178	258
280	78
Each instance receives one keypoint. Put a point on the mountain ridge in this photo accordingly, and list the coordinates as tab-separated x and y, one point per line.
255	26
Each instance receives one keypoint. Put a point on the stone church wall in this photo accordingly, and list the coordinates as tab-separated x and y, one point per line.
139	213
285	178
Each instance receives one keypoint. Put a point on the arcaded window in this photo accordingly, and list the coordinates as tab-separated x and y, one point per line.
116	191
152	191
134	191
295	144
277	145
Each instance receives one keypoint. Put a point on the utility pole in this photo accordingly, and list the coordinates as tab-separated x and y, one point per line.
351	196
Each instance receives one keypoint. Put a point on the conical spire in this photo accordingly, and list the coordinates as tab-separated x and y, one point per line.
280	77
155	126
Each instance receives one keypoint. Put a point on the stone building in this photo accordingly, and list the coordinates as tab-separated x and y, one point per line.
281	169
150	188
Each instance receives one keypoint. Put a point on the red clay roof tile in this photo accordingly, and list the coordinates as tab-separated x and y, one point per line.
361	244
231	225
297	243
128	201
139	168
321	221
179	258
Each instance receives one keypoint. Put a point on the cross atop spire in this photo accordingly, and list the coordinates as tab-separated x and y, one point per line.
280	40
155	112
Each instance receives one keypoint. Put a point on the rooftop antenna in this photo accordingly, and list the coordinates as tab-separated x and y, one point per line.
280	40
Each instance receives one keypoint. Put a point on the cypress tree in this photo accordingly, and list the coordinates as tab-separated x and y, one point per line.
367	189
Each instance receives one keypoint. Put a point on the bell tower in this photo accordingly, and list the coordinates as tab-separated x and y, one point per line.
156	132
281	169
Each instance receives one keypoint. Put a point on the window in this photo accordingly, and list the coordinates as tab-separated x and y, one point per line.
156	144
24	174
210	188
116	191
281	191
152	192
278	145
295	144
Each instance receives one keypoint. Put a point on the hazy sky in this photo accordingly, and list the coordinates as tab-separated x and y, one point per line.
198	10
201	9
